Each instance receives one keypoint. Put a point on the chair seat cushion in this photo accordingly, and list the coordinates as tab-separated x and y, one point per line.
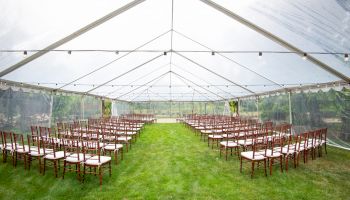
59	155
272	154
249	155
36	153
124	138
113	146
94	160
73	158
229	144
286	151
215	136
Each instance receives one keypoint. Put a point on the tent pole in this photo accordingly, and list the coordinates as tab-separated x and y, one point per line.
290	109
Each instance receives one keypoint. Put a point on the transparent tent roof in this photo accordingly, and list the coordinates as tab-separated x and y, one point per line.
179	50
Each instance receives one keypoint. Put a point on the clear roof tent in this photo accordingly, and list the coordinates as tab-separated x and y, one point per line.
176	50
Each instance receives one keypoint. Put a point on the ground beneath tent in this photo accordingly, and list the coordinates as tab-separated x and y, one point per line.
169	162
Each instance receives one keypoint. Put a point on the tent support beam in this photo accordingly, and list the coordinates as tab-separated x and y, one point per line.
276	39
71	37
192	74
222	98
230	59
115	78
192	61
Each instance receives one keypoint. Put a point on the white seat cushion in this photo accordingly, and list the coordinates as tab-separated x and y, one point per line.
249	155
113	146
270	155
73	158
36	153
124	138
215	136
229	144
286	151
59	155
94	160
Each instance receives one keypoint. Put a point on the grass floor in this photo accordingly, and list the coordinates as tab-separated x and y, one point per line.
169	162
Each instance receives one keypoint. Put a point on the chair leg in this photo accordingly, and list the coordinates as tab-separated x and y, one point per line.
240	169
100	174
281	159
116	156
44	169
271	166
55	166
265	167
64	168
110	169
79	177
39	159
253	164
286	160
226	152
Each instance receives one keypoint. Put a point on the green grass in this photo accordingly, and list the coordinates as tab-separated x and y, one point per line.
169	162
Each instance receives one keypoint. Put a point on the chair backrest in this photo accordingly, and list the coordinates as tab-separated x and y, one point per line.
71	146
48	145
34	130
8	139
18	141
259	146
92	147
34	141
277	143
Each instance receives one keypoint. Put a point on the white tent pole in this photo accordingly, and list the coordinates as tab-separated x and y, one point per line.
290	108
275	39
71	36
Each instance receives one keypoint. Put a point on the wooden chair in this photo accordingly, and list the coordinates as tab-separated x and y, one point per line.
230	144
21	149
257	155
8	147
52	154
35	150
216	136
110	141
92	147
291	150
73	155
275	152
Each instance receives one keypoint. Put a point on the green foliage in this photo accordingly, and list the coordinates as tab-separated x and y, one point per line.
169	162
233	106
106	108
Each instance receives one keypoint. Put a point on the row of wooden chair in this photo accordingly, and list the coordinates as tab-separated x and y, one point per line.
78	144
257	142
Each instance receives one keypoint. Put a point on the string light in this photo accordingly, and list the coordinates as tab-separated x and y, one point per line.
117	52
165	53
346	57
213	53
69	52
25	53
260	54
305	56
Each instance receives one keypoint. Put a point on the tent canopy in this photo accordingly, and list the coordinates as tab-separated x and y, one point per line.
174	50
